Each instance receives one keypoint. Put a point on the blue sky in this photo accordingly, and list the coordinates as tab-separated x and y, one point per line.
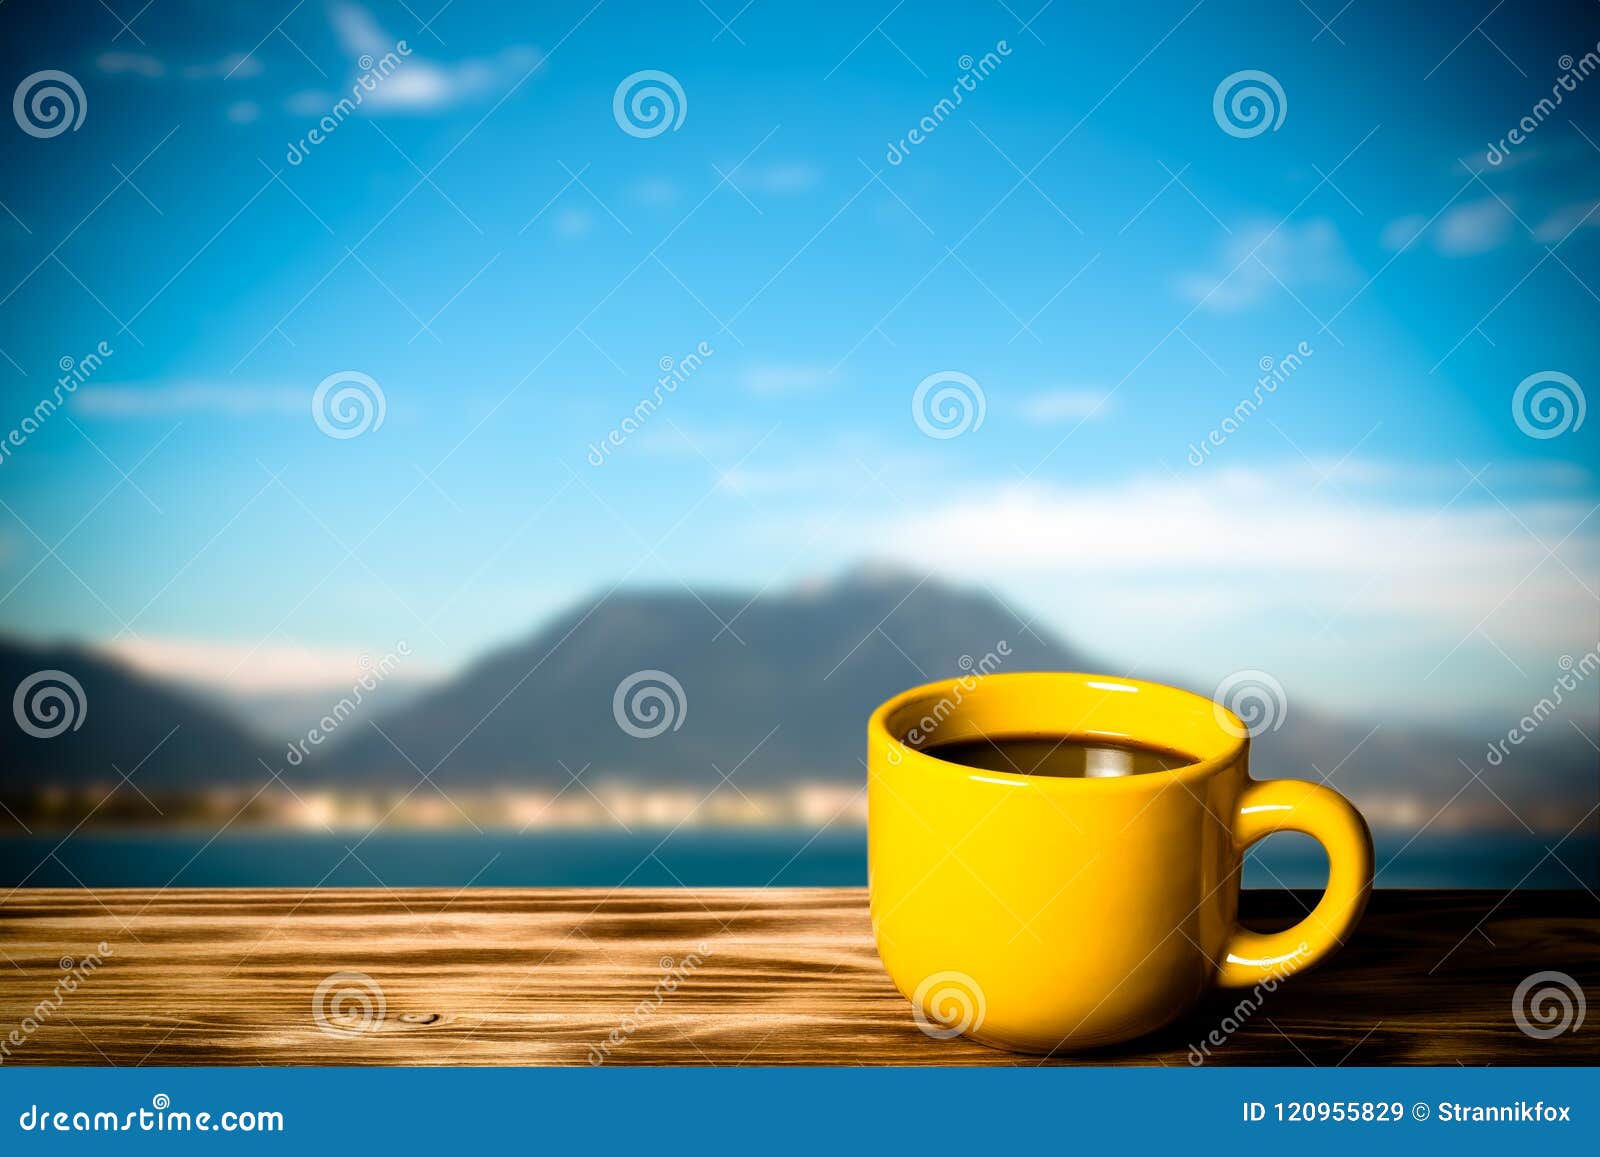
1080	237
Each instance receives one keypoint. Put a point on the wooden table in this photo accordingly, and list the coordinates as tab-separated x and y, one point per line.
786	976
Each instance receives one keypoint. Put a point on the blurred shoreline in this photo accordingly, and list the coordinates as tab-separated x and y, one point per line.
606	805
577	807
832	856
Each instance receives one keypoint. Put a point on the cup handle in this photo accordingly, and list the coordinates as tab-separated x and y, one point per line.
1295	805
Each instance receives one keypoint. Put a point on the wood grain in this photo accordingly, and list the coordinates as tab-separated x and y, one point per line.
785	976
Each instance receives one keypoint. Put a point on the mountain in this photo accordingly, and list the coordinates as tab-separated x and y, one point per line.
770	690
112	718
783	692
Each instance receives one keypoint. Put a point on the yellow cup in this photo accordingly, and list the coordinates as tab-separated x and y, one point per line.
1039	913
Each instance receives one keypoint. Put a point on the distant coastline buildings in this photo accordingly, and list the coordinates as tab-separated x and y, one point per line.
599	806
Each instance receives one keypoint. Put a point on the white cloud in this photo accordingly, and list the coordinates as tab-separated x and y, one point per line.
1474	228
243	112
358	30
234	66
1518	157
1065	405
1227	519
136	63
419	84
656	192
1255	260
780	178
1347	547
573	224
1555	228
134	401
775	380
243	668
1402	232
309	102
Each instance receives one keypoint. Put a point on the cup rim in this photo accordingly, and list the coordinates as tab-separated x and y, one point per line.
1237	738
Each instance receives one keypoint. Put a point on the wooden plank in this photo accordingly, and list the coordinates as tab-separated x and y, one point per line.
763	976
